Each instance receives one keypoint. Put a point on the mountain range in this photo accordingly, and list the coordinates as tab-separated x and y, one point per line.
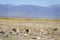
30	11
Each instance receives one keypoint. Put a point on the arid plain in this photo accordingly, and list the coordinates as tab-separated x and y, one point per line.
29	29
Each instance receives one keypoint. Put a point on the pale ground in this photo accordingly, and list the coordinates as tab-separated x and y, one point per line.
38	29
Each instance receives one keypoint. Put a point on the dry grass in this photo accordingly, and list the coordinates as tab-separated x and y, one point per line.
34	25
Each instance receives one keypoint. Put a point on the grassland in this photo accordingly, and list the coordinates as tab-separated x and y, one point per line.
35	26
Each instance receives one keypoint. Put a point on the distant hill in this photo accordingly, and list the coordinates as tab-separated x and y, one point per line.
30	11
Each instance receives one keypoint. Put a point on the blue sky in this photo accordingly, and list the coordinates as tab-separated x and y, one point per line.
31	2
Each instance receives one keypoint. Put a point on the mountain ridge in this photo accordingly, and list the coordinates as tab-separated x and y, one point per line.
30	11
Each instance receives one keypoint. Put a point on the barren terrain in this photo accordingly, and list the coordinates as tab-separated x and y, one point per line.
29	29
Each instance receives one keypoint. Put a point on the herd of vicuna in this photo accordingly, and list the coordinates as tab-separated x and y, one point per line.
27	32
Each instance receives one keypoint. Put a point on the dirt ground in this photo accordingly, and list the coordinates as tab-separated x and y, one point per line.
31	30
